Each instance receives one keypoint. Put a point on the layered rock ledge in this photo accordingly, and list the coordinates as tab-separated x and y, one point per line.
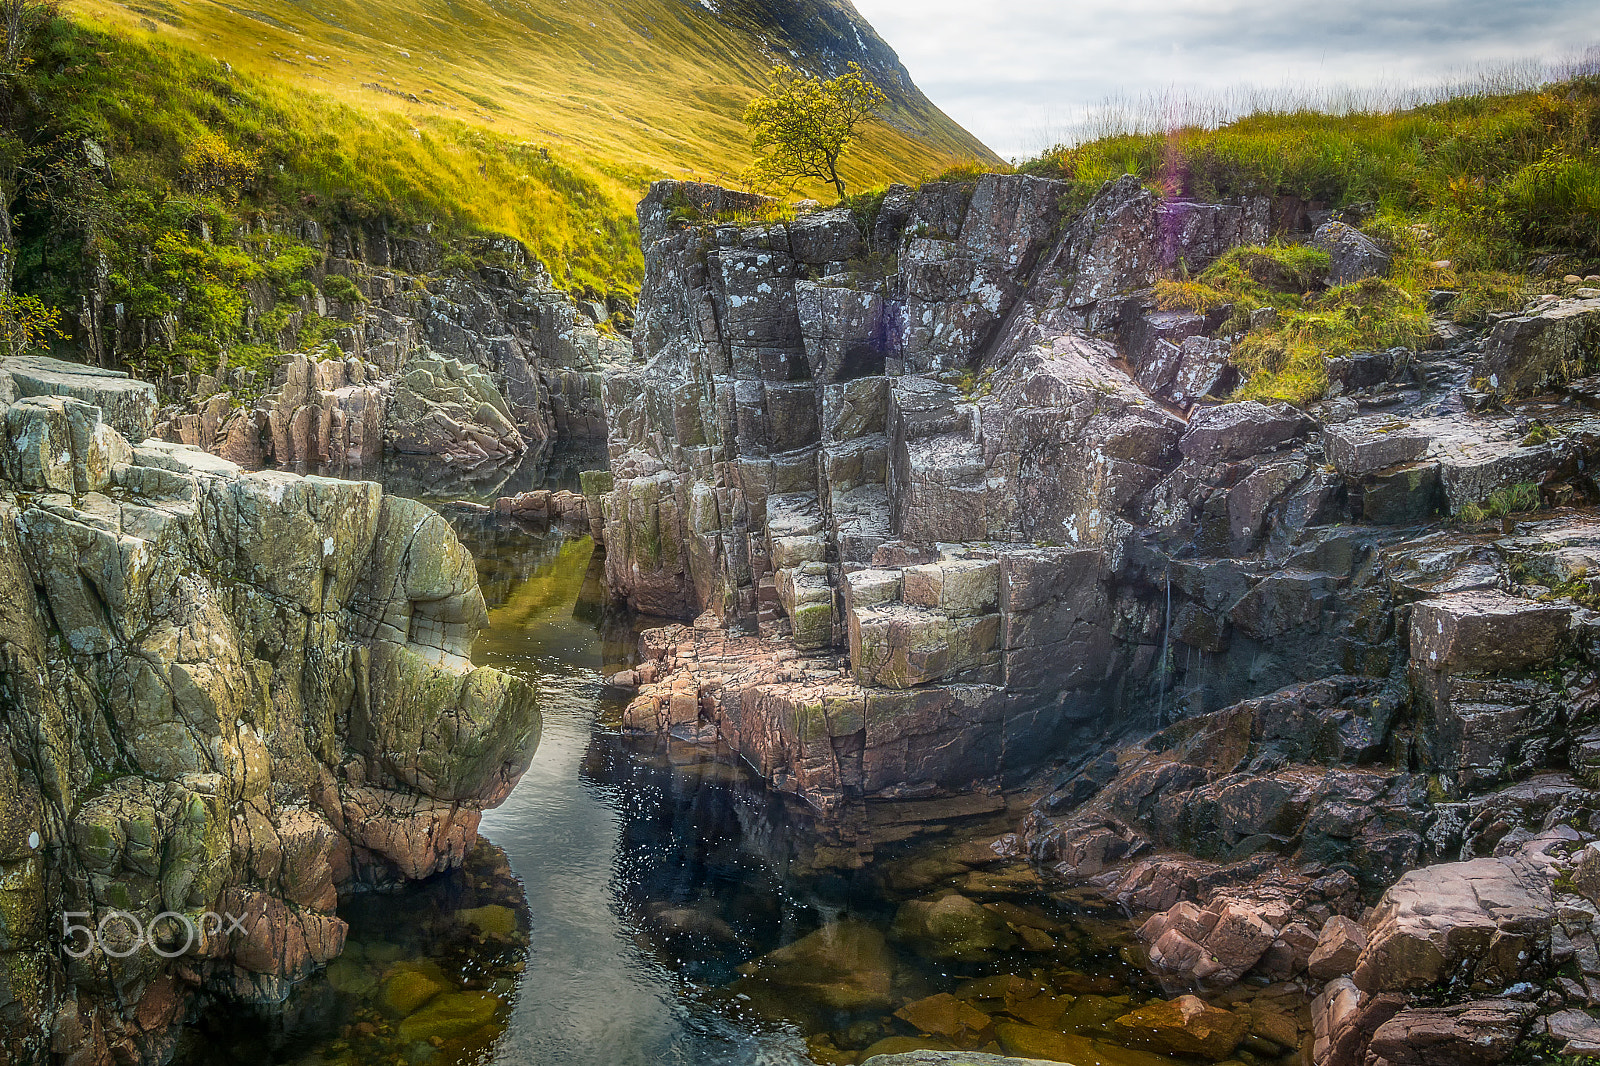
955	504
464	366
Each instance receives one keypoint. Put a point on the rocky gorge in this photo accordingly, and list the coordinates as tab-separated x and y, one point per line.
952	525
956	506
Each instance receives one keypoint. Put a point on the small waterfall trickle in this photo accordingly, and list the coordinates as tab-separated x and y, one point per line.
1164	665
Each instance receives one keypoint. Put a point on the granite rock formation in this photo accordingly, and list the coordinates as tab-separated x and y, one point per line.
225	692
949	499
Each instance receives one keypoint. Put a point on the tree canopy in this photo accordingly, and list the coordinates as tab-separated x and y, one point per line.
803	123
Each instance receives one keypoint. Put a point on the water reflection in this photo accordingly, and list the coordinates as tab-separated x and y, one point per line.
424	477
643	901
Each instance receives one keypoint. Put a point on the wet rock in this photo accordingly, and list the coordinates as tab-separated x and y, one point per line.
953	927
1548	346
893	1047
1485	630
449	1016
1481	922
406	990
1338	949
1030	1042
1183	1026
1240	430
947	1058
844	966
943	1015
1473	1034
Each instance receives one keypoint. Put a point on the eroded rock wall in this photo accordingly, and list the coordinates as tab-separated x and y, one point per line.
471	365
229	692
949	495
911	443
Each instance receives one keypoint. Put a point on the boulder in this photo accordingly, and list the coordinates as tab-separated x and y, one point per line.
1577	1031
1338	949
1352	254
1240	430
943	1015
953	927
1481	923
1363	446
1556	343
844	966
1479	1033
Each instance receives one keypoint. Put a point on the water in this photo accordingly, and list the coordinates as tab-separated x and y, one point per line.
640	901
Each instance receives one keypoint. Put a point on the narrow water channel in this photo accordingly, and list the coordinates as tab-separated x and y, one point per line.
639	901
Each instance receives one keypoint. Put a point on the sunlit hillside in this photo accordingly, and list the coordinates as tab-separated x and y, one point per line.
636	84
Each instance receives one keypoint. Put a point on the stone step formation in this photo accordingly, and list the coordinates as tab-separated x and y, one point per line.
951	502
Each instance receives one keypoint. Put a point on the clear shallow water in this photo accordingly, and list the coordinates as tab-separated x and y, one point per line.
629	896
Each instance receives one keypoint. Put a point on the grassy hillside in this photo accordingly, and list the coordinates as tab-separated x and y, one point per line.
153	146
632	85
1494	196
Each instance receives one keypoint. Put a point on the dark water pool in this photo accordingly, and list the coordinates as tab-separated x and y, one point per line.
639	901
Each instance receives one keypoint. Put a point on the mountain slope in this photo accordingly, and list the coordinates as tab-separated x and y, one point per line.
639	85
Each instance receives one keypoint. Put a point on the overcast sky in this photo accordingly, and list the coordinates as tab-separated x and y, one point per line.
1018	73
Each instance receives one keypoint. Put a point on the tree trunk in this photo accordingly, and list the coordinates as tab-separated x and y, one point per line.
8	253
833	175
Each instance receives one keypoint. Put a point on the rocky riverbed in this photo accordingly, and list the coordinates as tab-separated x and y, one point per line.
1095	713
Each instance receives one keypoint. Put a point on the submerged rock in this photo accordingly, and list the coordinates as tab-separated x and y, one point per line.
844	966
1184	1026
953	927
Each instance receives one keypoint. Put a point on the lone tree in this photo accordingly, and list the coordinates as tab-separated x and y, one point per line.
802	124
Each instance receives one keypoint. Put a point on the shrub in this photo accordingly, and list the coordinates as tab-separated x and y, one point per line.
340	288
26	323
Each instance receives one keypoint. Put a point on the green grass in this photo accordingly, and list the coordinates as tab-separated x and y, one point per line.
1469	194
629	87
1513	499
1287	361
226	130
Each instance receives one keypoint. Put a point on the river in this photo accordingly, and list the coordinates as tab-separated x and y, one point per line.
640	901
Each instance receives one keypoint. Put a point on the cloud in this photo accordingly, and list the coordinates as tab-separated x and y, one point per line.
1018	72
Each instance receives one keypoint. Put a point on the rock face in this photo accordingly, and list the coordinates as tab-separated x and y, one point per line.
1555	344
896	465
241	693
950	498
467	366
